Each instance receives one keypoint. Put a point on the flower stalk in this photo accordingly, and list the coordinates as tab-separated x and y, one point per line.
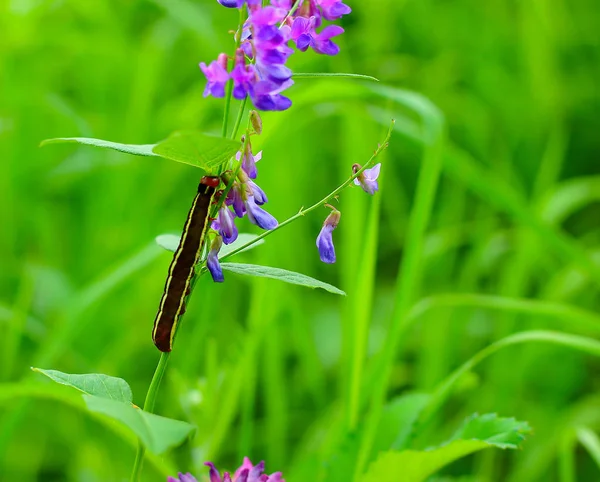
149	403
326	199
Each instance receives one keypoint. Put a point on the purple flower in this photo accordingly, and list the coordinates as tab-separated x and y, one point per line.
249	162
216	75
260	69
237	3
247	472
325	238
258	215
260	197
333	9
212	263
243	76
265	96
321	42
304	34
231	3
183	478
235	198
225	225
368	178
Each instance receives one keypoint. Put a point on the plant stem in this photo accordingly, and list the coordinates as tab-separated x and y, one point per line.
229	87
149	407
238	120
326	199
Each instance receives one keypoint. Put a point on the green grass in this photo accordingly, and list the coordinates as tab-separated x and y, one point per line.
486	226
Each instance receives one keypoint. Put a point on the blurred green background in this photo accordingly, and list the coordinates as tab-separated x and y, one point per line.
265	369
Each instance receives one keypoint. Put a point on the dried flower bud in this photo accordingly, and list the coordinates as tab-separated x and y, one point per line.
256	121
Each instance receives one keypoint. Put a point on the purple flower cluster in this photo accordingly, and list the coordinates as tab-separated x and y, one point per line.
244	198
246	473
259	69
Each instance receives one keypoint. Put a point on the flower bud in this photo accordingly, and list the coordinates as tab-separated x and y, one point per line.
256	121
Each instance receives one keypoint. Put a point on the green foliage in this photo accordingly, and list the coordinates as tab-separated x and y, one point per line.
281	275
458	282
208	153
158	434
96	384
112	397
477	433
136	150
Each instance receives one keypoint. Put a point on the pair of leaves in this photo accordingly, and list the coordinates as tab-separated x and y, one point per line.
478	432
171	241
112	397
189	147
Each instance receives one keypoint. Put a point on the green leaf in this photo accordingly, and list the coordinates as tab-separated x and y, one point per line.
485	431
307	75
197	149
280	274
135	149
157	433
591	442
504	433
170	242
97	384
397	421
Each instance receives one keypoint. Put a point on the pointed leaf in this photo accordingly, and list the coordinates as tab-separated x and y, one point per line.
197	149
135	149
416	465
97	384
158	434
504	433
280	274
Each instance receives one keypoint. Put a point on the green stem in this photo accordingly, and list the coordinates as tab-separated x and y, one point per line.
291	12
229	87
318	204
238	120
149	407
229	90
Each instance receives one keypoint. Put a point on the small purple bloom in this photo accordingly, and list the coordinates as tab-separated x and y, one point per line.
265	95
247	472
333	9
325	238
235	199
216	75
225	225
321	42
212	263
231	3
249	162
260	197
258	215
368	178
183	478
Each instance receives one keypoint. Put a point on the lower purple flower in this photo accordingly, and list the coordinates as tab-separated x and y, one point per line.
247	472
325	237
182	478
